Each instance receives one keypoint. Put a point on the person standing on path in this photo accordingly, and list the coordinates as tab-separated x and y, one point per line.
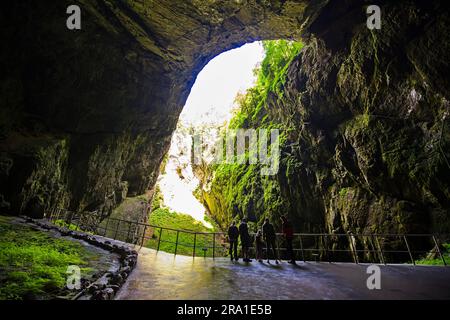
270	238
233	235
245	239
259	244
288	233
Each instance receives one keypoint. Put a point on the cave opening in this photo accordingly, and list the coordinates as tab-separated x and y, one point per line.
220	131
211	105
88	116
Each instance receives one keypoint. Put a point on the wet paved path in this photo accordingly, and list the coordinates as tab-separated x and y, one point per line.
164	276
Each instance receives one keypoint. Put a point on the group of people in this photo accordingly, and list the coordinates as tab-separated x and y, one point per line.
266	234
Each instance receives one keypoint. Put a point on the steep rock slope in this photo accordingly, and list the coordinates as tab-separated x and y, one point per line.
87	116
365	134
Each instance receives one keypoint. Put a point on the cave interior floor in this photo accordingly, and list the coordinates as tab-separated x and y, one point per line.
161	276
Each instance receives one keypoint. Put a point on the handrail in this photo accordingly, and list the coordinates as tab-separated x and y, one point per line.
326	245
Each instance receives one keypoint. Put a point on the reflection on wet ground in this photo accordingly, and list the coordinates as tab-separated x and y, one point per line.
159	275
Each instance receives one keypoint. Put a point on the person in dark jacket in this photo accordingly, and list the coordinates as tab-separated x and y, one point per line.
245	239
288	233
233	236
259	244
269	237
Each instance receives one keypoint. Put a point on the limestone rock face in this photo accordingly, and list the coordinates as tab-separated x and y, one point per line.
369	137
110	94
87	115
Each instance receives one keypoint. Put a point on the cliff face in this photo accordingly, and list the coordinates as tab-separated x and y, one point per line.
87	116
366	134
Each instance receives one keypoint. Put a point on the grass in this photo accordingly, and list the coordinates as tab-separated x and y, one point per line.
165	218
71	226
437	261
33	264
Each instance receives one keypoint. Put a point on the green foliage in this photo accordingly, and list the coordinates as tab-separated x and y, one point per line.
242	190
343	192
279	54
34	264
158	198
437	261
163	217
246	193
70	226
357	124
270	78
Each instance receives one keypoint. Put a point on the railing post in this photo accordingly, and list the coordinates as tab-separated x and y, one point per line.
106	226
439	250
409	251
195	242
128	233
71	218
325	243
176	243
380	249
57	216
77	225
277	240
214	246
353	248
143	236
301	247
159	239
117	229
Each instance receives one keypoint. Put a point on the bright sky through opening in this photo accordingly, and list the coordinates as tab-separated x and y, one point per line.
210	102
212	96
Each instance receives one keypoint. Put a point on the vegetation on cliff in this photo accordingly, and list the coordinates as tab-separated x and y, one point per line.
241	190
252	109
172	220
33	264
364	140
169	220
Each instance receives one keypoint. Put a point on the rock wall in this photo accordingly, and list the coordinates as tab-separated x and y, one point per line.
366	133
110	94
87	116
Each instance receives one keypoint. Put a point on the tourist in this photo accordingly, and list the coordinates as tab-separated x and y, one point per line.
245	239
270	238
259	246
233	235
288	233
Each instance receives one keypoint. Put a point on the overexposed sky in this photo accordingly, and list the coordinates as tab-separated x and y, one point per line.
210	103
212	96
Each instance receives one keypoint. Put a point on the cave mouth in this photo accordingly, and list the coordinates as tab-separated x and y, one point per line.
209	108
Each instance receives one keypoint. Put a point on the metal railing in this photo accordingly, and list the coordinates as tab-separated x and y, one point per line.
357	248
